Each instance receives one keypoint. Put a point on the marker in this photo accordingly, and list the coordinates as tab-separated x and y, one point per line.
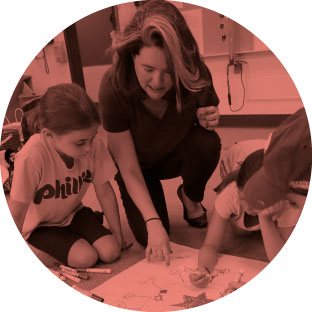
239	276
96	270
68	269
71	277
64	267
88	293
62	278
80	275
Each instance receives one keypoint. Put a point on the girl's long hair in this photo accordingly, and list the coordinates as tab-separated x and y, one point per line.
160	23
249	167
64	108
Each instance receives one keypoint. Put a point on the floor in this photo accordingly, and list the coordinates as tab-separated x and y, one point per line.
250	246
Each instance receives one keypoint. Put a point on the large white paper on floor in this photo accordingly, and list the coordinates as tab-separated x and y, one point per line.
157	287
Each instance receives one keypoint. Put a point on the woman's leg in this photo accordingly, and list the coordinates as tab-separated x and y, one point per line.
195	160
134	216
202	148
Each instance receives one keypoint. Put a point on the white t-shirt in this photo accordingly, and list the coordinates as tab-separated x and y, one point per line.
53	191
228	206
227	202
232	159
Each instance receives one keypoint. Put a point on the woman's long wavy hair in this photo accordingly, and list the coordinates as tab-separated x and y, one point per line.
159	23
249	167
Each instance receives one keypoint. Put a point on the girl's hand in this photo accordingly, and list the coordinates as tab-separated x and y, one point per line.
125	245
158	246
119	239
275	210
208	117
199	280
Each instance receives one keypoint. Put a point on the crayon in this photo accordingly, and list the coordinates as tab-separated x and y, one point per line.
88	293
71	277
96	270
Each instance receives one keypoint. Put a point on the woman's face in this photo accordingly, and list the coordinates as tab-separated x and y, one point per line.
152	72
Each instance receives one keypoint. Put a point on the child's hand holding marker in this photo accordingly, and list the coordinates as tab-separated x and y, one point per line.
201	278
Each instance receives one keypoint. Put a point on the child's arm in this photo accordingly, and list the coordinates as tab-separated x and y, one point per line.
274	237
109	205
18	211
208	253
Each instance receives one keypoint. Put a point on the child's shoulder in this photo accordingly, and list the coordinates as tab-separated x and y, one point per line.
34	148
227	201
100	141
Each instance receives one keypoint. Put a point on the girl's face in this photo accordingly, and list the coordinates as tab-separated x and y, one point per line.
75	144
296	200
152	72
292	200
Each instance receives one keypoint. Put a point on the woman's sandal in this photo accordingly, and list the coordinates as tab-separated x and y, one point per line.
199	222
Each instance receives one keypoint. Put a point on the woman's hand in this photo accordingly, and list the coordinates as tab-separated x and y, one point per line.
158	246
208	117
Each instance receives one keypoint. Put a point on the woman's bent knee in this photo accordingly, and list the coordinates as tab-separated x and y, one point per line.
82	255
205	141
107	248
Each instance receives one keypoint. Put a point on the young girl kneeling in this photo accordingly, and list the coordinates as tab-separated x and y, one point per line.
52	173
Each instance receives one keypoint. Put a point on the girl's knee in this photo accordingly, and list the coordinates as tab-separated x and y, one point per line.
107	248
82	255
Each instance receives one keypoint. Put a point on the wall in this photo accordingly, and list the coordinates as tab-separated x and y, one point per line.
269	88
40	79
93	44
58	72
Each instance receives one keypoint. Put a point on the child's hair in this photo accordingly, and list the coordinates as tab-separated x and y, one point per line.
159	23
249	167
64	108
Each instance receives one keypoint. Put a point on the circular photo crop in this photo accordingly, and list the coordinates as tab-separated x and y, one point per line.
156	156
